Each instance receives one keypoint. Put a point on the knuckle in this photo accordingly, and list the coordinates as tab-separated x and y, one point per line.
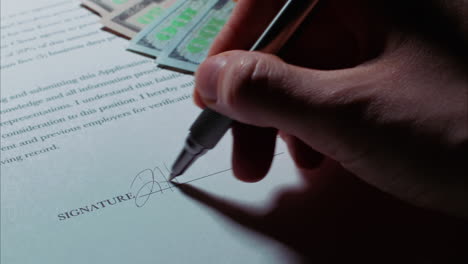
237	80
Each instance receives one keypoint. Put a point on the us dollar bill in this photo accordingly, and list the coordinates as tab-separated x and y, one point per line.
134	16
191	49
104	7
154	38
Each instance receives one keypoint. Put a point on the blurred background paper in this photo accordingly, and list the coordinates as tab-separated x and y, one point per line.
87	133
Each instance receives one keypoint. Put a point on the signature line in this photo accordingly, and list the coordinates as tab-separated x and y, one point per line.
175	184
197	179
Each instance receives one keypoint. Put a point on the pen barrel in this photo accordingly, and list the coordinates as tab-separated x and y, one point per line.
283	26
209	128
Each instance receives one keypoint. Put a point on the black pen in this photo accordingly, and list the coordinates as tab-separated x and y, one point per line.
210	126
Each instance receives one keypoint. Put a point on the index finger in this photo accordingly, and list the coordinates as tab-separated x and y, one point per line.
248	20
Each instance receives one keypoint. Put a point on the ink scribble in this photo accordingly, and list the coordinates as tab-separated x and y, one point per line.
147	183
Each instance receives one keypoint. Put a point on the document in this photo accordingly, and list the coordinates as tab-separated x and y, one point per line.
88	133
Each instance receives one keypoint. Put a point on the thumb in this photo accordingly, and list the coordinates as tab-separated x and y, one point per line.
262	90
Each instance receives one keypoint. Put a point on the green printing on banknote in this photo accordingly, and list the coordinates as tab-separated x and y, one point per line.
176	21
151	15
192	48
133	17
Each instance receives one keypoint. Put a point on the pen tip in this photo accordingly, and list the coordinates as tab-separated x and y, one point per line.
172	176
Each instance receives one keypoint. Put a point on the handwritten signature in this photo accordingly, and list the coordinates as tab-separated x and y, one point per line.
149	182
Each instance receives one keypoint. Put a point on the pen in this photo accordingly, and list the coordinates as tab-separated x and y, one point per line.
210	126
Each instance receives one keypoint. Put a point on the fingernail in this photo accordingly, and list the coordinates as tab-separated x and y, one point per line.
207	78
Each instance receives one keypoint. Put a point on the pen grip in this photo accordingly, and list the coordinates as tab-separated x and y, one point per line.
209	128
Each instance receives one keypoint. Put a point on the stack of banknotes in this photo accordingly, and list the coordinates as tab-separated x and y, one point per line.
178	33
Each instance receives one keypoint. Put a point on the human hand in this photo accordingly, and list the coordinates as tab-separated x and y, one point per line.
361	83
